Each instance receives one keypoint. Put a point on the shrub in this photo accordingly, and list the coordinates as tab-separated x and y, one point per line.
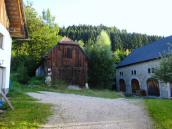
59	84
164	72
22	74
36	81
101	71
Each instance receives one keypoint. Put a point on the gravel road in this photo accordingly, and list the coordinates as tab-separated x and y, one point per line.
81	112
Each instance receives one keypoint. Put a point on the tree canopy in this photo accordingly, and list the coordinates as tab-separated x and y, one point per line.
42	37
120	39
164	72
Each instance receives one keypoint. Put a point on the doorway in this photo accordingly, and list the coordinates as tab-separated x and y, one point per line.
153	87
135	86
122	85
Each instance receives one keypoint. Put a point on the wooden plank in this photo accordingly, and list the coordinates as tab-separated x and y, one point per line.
6	99
3	14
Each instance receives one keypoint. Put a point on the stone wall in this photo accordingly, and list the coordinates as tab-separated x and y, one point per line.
142	75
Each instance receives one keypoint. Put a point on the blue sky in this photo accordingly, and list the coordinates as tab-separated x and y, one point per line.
143	16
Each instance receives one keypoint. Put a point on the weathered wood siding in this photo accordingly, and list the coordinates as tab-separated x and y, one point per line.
15	12
67	62
3	14
12	17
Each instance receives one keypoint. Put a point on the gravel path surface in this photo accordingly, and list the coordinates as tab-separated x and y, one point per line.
81	112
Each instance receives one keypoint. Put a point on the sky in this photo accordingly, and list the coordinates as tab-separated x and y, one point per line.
153	17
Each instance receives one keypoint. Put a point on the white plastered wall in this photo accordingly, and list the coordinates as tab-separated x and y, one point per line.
5	57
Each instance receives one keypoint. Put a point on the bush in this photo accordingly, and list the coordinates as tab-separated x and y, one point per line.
22	74
128	94
36	81
59	84
101	68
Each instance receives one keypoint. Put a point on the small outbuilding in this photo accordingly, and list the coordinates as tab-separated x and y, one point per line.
66	61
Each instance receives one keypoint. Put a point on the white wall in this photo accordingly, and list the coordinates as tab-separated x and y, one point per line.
142	76
5	56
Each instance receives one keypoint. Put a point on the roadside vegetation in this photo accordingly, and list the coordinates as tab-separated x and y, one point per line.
28	113
37	84
161	112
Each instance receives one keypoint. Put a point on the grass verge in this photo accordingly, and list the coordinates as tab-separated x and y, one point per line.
161	112
28	113
63	89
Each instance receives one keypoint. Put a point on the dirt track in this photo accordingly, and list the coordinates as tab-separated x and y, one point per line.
81	112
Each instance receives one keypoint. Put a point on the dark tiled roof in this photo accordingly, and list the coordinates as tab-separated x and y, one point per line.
149	52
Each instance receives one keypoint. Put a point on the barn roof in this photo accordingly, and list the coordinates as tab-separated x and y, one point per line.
67	41
16	15
149	52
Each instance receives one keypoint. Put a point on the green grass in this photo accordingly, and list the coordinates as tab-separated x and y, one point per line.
161	112
28	113
93	93
62	89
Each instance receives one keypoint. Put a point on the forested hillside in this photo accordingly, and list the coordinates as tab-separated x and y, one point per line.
120	38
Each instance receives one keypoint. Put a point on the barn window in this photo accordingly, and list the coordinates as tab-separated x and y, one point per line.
1	41
149	70
67	53
135	72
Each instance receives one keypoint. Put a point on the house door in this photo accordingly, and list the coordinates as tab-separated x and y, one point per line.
1	78
135	86
122	85
153	87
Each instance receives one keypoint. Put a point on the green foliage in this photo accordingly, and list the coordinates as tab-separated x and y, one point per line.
104	39
43	36
160	110
28	113
101	71
22	75
120	39
48	18
119	55
60	84
35	81
164	72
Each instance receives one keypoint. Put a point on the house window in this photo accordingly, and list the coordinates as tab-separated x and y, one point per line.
121	73
153	70
1	41
133	72
67	53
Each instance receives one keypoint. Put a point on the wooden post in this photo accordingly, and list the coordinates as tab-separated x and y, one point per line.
6	99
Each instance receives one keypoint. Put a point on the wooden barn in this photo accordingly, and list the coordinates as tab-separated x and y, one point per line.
67	61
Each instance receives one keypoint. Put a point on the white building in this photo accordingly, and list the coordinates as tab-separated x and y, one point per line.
12	24
5	58
135	73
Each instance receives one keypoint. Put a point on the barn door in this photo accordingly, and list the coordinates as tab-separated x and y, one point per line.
153	87
135	86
